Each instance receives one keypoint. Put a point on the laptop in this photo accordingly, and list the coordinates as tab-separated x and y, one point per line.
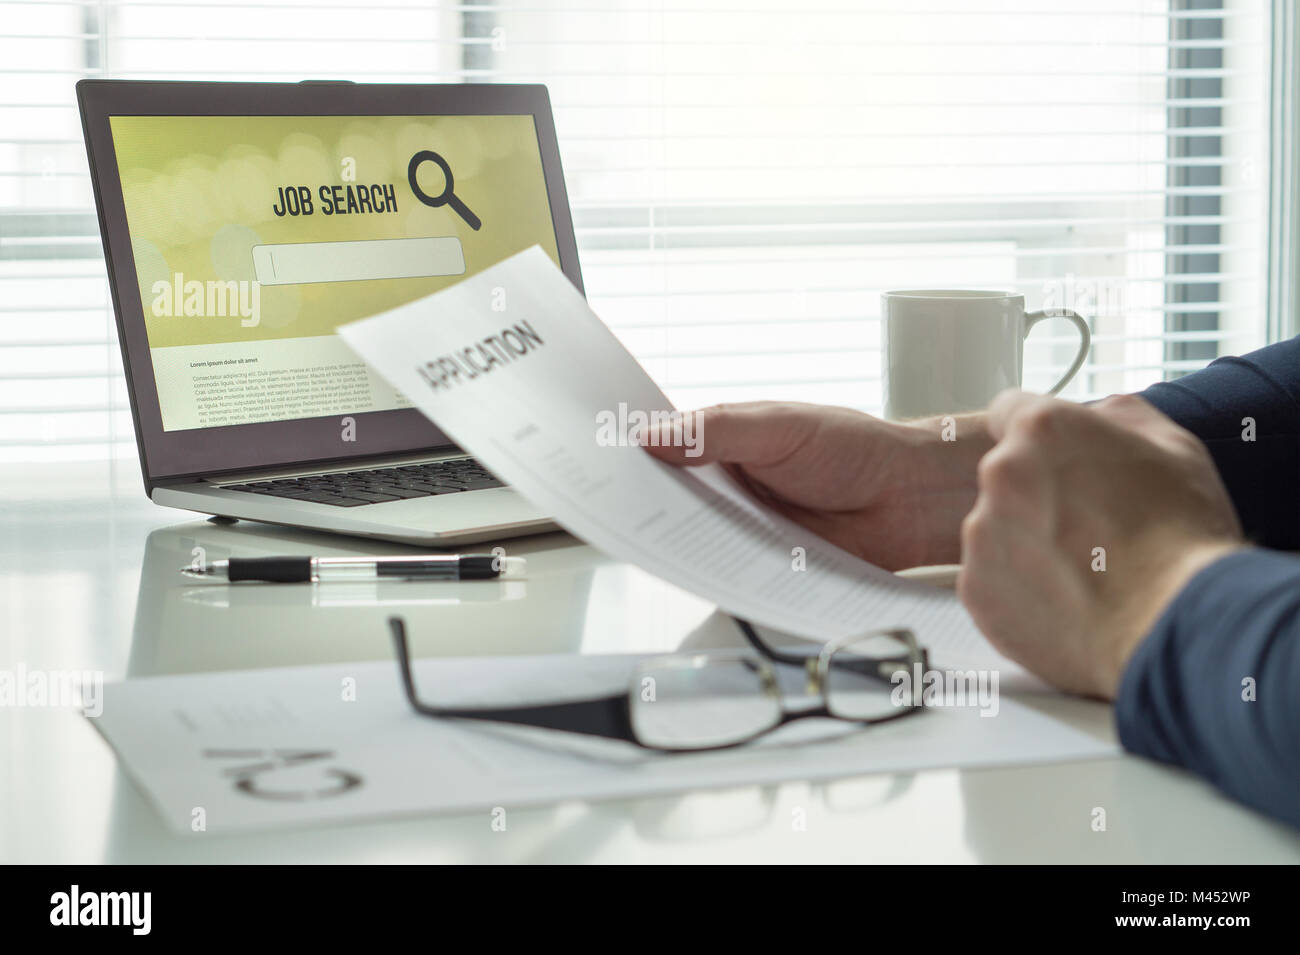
244	222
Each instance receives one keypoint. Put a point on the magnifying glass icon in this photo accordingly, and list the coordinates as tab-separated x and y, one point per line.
448	195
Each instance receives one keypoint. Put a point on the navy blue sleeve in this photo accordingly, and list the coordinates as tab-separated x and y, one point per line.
1262	475
1215	686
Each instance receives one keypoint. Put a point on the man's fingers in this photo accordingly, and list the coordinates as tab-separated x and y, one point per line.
1139	417
1037	417
1060	429
1015	484
1006	407
755	434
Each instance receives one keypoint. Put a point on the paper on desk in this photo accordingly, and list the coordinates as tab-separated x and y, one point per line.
517	370
286	746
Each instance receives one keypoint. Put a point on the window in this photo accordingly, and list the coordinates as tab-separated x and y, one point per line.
746	175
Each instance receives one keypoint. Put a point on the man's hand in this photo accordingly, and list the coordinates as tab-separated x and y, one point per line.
1089	521
893	494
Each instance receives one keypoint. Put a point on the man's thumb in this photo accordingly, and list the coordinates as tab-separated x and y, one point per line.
749	434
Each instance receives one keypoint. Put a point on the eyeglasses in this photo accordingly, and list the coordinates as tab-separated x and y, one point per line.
708	701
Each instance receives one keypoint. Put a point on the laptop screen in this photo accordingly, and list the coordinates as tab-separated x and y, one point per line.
255	237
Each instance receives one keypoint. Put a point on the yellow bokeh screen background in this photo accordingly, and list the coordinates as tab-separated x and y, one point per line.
199	192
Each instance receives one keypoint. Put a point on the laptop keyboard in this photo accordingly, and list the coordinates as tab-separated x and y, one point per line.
379	485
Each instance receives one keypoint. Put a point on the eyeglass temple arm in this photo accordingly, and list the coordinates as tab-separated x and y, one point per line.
603	716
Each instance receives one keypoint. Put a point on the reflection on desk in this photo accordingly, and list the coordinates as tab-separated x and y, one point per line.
182	626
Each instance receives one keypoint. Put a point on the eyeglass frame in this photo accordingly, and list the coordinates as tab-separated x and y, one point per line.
610	717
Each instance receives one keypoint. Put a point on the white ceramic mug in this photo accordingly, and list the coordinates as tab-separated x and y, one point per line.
951	350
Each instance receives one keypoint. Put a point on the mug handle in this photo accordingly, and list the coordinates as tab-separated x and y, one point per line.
1085	339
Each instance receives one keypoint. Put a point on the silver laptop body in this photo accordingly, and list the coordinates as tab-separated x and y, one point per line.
396	477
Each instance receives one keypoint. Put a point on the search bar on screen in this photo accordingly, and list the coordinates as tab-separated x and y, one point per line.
297	263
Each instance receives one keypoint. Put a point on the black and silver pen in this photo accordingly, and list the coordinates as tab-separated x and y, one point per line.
292	570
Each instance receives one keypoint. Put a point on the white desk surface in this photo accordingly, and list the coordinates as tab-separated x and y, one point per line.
88	576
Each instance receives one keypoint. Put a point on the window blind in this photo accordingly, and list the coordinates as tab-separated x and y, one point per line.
746	176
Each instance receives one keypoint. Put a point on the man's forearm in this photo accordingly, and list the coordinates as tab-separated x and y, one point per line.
1247	412
1214	686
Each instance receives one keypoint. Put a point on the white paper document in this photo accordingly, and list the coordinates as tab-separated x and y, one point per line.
287	747
517	369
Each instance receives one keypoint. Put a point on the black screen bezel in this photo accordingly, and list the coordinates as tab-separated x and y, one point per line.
184	455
